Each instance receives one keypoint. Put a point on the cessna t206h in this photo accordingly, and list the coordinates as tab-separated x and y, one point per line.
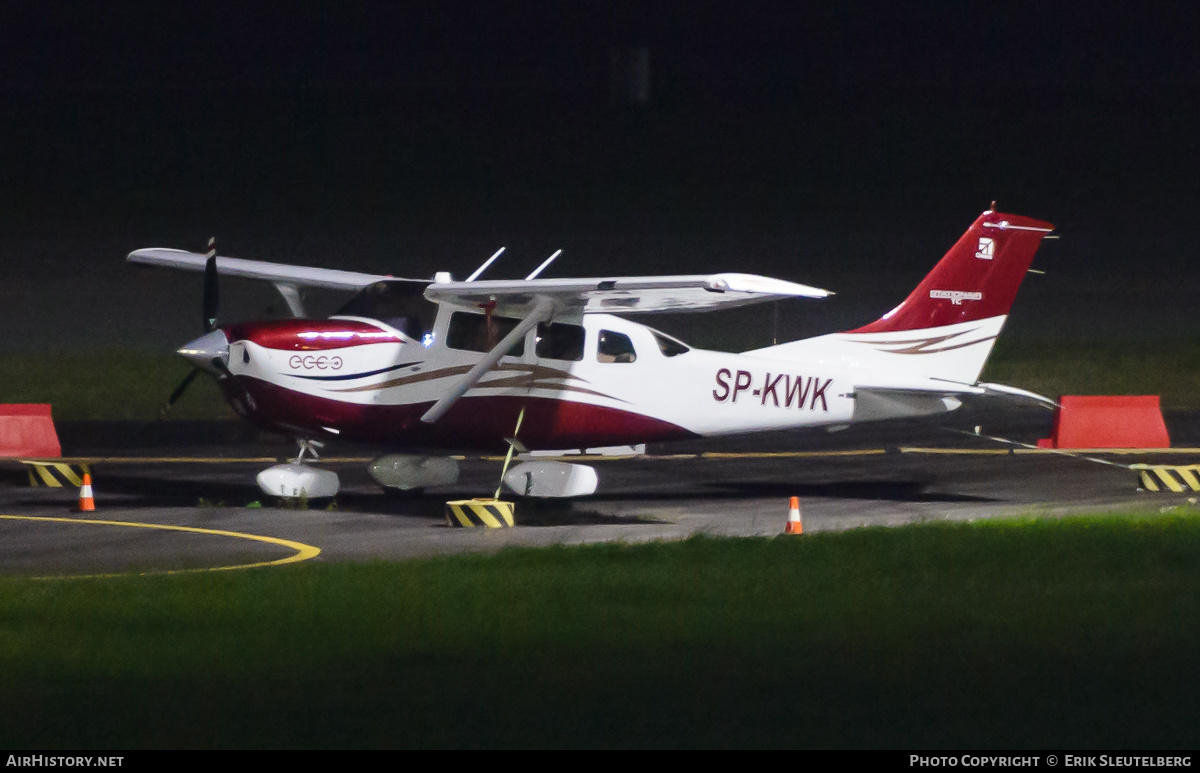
421	366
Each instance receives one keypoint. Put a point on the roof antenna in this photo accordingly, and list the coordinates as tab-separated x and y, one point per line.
545	263
486	263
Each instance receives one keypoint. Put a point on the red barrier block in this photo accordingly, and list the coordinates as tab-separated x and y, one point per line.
1105	421
27	431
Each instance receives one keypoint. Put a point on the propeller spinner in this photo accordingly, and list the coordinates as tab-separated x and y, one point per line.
209	352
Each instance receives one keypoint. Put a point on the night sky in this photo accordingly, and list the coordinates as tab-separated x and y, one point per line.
843	145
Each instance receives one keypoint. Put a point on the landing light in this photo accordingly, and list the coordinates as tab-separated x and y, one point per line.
427	340
336	335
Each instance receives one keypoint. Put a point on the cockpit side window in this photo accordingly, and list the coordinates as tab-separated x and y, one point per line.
560	341
480	332
614	347
397	303
669	346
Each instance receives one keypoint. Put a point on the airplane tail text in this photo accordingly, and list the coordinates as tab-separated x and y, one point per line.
947	326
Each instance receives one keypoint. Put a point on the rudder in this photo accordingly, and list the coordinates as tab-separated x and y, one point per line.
976	279
946	328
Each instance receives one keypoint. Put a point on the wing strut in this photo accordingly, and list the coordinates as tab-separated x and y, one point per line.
542	311
291	296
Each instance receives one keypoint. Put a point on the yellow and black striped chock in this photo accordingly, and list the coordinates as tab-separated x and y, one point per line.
55	474
492	513
1168	477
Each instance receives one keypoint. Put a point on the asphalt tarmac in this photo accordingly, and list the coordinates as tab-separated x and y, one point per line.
197	508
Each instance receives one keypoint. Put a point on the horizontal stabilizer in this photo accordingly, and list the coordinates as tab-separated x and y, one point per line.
875	404
872	403
1019	395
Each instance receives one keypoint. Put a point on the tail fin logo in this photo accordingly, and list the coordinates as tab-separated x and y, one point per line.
986	249
956	297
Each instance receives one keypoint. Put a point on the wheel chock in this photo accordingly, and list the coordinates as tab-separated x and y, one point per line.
490	513
1168	477
55	474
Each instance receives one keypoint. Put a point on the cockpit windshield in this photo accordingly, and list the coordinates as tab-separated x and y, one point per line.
670	347
398	303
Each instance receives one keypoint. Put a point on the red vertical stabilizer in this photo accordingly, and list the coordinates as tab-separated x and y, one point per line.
977	279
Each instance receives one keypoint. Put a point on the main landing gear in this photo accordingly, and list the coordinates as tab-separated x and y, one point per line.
409	473
405	472
297	480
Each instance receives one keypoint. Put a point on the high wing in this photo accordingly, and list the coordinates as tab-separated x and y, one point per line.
287	279
518	297
628	294
298	276
620	295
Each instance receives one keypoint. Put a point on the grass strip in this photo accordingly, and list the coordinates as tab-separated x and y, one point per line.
116	384
1036	633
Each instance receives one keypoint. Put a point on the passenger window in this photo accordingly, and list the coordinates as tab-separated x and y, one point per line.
480	333
557	341
615	347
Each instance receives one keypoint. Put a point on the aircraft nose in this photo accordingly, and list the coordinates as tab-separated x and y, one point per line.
205	349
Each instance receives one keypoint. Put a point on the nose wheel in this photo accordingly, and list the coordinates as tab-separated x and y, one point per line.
297	480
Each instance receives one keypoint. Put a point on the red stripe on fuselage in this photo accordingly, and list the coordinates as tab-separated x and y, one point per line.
476	423
310	334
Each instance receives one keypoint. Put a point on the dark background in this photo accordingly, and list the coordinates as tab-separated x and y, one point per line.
841	145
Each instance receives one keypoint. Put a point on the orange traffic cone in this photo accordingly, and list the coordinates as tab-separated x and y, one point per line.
86	504
794	524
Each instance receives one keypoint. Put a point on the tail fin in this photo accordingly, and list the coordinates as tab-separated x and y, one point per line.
977	279
947	326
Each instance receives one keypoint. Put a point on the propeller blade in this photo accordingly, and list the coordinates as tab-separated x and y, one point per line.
212	291
179	390
226	373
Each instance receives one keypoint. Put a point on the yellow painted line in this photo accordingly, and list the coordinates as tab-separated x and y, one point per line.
303	551
789	454
958	451
174	460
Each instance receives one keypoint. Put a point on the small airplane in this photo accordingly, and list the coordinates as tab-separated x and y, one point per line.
420	366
